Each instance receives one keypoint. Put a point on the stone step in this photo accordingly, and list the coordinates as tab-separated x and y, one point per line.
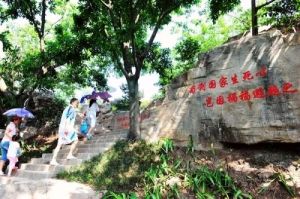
44	167
110	136
116	132
104	139
90	145
99	141
4	180
60	161
46	189
96	149
35	175
64	155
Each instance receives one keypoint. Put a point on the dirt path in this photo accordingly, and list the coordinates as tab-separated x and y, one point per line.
257	166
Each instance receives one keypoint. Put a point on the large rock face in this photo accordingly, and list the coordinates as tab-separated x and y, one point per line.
246	91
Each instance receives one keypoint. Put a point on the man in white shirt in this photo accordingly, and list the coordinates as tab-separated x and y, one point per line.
66	131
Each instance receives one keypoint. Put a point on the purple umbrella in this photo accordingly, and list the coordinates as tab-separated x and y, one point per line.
20	112
103	95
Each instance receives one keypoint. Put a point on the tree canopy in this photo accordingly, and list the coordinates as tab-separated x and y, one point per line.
116	32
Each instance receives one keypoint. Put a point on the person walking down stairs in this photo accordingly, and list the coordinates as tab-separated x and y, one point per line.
66	131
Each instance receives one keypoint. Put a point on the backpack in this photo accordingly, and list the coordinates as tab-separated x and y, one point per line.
84	127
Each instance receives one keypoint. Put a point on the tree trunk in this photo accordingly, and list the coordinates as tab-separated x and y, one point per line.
42	44
254	18
134	112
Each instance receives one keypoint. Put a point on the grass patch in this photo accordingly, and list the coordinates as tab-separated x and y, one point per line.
118	169
140	170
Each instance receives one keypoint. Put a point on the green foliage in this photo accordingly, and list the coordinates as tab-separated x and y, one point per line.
154	170
242	21
144	104
282	180
89	40
221	7
123	104
112	195
49	114
5	41
159	60
167	146
105	30
25	68
190	147
201	37
118	30
187	49
284	13
209	183
121	167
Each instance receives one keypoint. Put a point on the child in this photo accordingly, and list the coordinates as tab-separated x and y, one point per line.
10	130
14	151
84	128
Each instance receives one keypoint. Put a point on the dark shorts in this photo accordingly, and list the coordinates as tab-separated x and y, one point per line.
4	149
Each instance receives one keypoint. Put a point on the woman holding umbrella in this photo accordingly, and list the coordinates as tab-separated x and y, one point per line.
10	131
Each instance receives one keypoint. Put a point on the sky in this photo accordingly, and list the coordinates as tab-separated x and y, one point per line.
147	83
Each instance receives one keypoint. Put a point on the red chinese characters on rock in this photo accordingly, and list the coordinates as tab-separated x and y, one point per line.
220	100
212	84
232	98
209	102
234	79
245	96
201	86
259	93
287	87
122	122
192	89
223	81
273	90
247	76
262	72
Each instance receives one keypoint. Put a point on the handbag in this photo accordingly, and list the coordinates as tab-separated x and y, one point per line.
84	127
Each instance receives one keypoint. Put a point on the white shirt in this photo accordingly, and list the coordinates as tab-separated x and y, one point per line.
11	130
67	121
93	110
13	149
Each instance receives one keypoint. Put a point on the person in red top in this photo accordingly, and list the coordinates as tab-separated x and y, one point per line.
10	131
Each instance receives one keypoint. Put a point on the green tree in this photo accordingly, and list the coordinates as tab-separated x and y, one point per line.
284	13
221	7
26	68
117	30
123	104
197	38
33	11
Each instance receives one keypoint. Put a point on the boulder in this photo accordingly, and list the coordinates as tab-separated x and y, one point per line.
28	132
246	91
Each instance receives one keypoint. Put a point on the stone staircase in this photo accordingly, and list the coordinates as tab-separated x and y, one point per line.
35	179
39	168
